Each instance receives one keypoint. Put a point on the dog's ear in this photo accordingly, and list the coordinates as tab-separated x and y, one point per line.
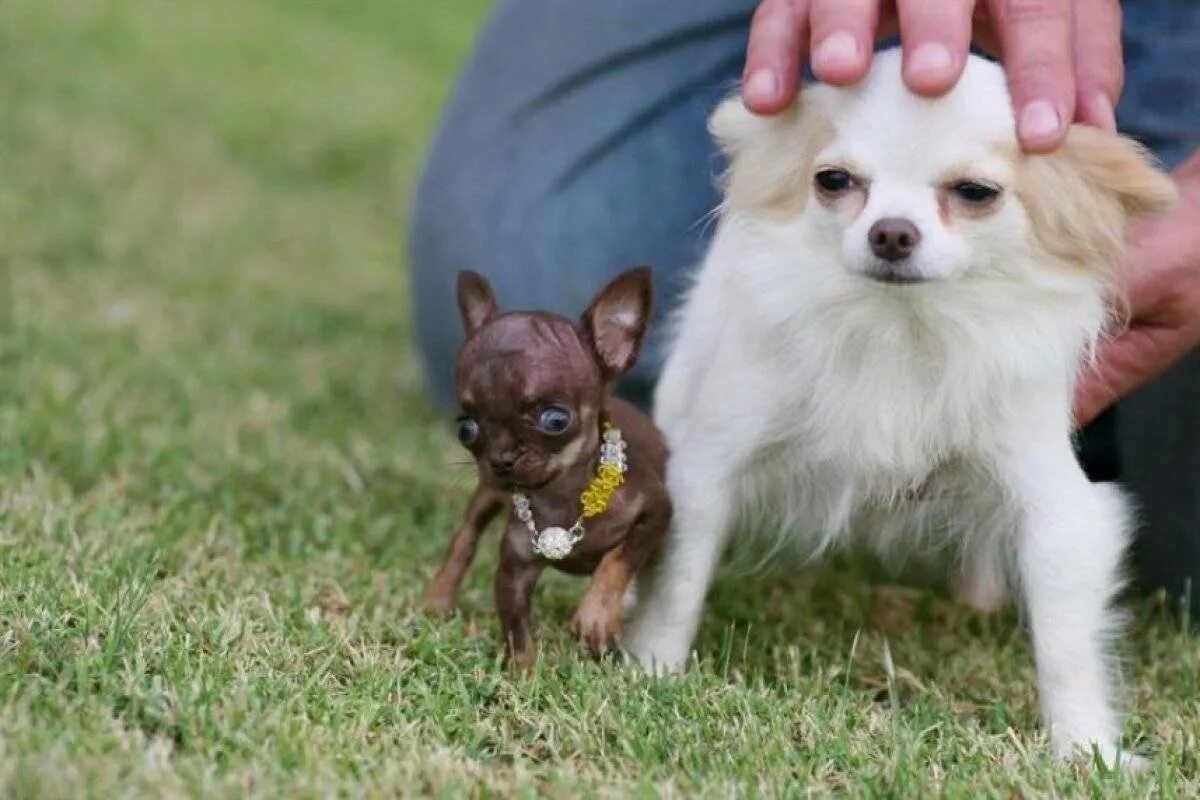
733	125
617	319
476	303
769	156
1082	197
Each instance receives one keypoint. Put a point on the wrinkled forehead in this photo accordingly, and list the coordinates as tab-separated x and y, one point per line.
526	358
884	129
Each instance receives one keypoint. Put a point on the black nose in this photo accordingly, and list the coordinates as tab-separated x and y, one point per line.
893	238
503	464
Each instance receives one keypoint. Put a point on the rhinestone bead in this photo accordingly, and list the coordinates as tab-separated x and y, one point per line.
554	543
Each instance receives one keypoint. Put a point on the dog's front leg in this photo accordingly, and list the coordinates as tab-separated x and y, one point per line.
671	594
442	591
598	621
1069	546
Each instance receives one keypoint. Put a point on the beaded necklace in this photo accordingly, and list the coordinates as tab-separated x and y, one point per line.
556	542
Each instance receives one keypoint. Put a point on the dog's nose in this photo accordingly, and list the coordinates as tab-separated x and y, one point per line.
893	238
504	463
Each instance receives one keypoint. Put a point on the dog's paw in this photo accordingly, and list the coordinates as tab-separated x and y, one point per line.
652	652
439	605
521	661
521	654
1108	755
1120	760
597	624
1132	762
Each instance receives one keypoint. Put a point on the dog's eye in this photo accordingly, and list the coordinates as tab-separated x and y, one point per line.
554	420
833	181
468	431
974	192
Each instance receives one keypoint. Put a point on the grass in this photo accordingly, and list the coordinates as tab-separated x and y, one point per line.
221	489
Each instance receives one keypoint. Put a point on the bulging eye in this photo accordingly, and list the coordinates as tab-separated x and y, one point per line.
554	420
468	431
975	192
833	181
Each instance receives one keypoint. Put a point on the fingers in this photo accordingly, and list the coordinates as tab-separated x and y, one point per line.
843	36
778	43
935	37
1063	61
1036	37
1099	68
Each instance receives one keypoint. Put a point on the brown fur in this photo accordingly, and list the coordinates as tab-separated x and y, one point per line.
510	368
597	623
442	592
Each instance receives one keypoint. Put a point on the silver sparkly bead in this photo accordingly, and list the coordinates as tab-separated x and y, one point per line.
554	543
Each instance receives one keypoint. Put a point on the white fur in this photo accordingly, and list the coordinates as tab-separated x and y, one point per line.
802	394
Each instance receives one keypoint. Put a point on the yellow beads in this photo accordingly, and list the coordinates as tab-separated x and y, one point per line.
595	498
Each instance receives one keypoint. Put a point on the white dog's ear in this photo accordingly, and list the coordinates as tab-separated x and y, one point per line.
1082	197
769	156
617	319
476	302
734	126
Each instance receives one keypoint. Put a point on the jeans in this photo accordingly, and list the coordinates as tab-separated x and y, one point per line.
575	147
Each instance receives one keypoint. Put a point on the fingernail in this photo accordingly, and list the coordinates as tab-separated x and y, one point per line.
930	59
762	85
1102	112
1039	120
837	49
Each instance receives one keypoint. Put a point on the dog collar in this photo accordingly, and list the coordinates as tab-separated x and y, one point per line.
556	542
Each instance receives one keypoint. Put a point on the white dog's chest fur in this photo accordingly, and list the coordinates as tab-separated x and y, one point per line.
886	440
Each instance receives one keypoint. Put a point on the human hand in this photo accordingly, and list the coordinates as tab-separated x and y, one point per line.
1163	291
1062	57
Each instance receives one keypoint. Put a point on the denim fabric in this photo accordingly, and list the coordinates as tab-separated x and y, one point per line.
575	146
1161	102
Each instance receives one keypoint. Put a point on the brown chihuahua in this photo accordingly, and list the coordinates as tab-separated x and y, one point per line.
580	470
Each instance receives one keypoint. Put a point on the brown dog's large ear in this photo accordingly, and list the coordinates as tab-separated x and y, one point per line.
476	303
617	319
1082	197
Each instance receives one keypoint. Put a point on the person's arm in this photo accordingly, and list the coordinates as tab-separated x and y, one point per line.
1062	57
1163	293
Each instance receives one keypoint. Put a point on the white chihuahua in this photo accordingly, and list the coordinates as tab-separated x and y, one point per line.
882	343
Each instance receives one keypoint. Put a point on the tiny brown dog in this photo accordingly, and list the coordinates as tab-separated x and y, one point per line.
580	470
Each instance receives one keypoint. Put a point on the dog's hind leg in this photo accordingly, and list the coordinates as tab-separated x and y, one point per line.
982	582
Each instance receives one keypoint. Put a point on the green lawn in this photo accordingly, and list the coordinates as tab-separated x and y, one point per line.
221	489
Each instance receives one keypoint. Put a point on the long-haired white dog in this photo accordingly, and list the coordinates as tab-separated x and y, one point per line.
882	344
